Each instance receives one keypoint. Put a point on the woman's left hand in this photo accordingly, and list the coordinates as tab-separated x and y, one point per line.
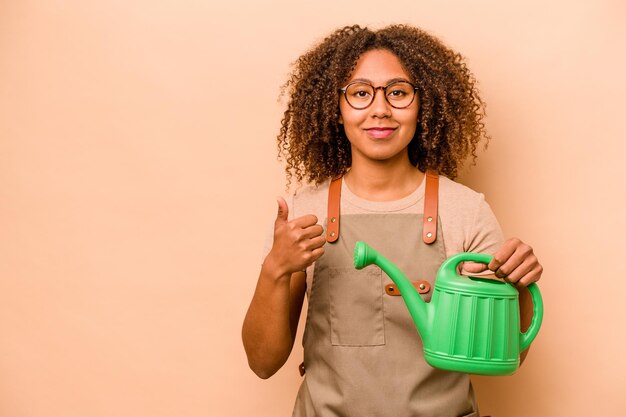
514	262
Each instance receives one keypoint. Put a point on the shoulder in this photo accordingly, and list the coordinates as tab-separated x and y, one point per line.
458	198
457	202
453	189
467	218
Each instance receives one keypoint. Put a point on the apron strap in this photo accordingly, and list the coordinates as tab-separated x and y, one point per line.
334	198
431	199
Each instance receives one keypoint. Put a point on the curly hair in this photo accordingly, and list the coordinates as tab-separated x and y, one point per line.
450	120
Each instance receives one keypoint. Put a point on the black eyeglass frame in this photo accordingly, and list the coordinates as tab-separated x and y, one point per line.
344	90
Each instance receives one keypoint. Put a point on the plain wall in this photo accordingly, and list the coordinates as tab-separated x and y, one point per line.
138	178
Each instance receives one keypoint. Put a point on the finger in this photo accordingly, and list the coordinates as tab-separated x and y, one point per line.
309	257
316	242
515	260
313	231
526	267
316	254
532	276
503	254
283	211
305	221
474	267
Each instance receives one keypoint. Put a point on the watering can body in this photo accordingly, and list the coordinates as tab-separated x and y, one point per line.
472	324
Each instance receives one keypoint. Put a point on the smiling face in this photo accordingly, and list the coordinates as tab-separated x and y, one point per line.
379	132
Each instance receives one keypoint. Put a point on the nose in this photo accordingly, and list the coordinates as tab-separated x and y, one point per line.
380	106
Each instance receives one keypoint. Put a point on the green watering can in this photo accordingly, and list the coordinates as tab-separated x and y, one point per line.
471	324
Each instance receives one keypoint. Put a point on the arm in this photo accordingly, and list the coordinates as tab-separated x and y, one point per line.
269	329
516	263
271	322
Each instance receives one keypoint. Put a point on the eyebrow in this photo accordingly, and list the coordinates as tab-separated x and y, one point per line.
393	80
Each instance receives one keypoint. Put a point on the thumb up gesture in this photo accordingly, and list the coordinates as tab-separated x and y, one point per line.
297	243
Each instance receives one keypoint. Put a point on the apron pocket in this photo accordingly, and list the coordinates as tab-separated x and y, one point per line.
356	307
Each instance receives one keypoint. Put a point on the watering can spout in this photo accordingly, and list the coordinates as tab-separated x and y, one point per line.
364	255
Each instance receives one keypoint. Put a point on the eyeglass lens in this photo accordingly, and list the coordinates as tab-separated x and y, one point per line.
398	94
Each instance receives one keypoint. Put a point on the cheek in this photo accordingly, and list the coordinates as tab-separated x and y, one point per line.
348	115
411	119
344	112
349	119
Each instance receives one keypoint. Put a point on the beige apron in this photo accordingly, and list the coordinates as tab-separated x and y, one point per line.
362	354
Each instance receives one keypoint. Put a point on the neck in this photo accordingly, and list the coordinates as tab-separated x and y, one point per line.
383	180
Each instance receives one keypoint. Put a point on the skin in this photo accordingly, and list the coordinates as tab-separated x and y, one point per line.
380	171
269	328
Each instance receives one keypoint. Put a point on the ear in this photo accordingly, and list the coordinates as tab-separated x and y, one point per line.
340	119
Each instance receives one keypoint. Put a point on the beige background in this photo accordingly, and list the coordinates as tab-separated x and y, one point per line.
138	181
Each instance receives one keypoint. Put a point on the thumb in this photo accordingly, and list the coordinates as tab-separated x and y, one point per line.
283	210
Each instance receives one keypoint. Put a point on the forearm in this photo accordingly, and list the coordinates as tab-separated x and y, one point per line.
269	326
526	315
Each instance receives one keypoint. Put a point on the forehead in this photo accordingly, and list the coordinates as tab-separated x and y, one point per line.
378	66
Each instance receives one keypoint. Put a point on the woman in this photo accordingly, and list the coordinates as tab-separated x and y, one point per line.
378	122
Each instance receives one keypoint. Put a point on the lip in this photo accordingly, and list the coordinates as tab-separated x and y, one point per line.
380	132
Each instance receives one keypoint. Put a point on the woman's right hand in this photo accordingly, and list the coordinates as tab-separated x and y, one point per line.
297	243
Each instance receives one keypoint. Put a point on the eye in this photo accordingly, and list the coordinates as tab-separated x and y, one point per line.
360	91
397	93
400	91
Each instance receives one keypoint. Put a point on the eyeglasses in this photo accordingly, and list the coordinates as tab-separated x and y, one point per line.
360	95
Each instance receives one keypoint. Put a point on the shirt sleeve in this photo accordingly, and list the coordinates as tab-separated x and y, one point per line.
485	233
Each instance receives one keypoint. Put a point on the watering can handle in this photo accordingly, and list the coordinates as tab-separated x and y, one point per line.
530	334
449	268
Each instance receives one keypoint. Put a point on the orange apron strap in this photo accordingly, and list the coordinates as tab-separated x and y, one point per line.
334	198
431	200
421	286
